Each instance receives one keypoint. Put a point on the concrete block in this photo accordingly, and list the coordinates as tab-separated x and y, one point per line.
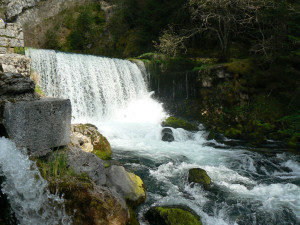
38	125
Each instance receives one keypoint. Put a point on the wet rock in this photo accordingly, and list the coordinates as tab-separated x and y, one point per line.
198	175
167	135
171	216
88	138
128	185
38	125
84	162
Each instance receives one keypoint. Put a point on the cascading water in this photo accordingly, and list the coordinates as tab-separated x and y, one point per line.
248	187
27	192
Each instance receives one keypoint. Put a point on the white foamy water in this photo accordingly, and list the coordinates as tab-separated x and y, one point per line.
248	187
27	192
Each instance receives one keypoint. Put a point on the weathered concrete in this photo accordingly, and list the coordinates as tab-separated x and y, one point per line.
16	63
38	125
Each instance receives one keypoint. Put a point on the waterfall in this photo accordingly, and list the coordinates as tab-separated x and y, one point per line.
97	86
31	201
248	187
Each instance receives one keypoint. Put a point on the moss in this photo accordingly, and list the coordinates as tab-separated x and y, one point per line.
171	216
104	155
133	218
39	91
198	175
20	50
233	133
179	123
138	188
239	66
294	141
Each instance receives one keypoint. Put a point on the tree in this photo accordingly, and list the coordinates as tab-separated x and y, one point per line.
223	18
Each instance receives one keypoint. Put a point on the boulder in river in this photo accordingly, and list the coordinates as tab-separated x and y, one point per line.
167	135
171	216
198	175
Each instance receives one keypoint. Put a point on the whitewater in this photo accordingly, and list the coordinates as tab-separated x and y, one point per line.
249	187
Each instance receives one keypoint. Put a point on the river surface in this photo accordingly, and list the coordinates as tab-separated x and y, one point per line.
248	187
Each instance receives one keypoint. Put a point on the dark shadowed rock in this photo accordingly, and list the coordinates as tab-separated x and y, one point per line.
167	135
14	87
85	162
38	125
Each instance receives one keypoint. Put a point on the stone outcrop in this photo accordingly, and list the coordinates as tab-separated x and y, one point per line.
11	35
128	185
38	125
85	162
16	63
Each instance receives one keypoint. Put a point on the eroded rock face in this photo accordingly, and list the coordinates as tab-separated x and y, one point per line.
38	125
15	63
85	162
16	7
128	185
11	35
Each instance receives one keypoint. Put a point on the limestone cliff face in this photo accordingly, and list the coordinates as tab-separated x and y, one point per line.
34	11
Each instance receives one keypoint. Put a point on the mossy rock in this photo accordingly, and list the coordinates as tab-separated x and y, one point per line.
294	141
171	216
257	138
200	176
101	146
233	133
179	123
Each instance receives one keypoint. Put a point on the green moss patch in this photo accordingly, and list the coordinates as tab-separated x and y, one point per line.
179	123
171	216
198	175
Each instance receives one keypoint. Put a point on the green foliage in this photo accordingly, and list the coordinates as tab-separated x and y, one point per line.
179	123
233	133
20	50
39	90
104	155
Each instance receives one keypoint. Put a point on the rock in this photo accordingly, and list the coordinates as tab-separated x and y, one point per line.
39	125
16	63
128	185
13	84
171	216
16	7
206	82
84	162
82	141
198	175
167	135
91	136
233	133
179	123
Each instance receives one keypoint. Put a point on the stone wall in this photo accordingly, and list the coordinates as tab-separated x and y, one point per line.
11	35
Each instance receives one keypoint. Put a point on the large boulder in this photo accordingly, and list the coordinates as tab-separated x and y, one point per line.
89	139
198	175
171	216
38	125
128	185
85	162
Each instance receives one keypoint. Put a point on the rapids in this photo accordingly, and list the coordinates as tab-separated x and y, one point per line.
249	187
